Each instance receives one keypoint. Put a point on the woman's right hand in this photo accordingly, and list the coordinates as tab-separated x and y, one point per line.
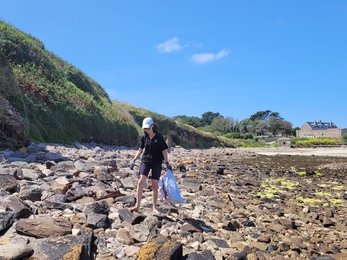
132	164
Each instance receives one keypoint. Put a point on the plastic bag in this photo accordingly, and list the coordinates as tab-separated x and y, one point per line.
168	188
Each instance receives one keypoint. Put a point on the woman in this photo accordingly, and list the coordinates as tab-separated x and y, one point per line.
154	149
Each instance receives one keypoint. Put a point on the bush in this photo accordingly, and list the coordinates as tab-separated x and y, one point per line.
246	136
238	136
232	135
310	142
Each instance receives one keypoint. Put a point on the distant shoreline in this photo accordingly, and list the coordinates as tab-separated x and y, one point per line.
320	151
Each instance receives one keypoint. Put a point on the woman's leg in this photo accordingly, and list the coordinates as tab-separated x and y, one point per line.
144	170
139	192
155	195
156	171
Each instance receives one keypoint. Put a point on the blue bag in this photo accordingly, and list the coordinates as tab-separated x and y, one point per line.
169	189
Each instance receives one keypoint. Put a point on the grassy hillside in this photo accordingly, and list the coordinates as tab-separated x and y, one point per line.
62	104
59	102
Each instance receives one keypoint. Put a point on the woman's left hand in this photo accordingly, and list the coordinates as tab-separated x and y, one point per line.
168	166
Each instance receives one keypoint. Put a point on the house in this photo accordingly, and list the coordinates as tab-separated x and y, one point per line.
320	129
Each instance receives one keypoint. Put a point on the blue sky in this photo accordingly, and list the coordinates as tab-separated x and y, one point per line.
190	57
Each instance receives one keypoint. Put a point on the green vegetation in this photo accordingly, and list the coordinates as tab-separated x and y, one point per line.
59	102
312	141
261	123
238	136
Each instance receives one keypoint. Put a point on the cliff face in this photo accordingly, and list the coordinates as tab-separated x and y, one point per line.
12	127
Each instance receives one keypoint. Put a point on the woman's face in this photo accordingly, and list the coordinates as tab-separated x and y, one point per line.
148	130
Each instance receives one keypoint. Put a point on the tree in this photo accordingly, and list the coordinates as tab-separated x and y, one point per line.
275	115
207	117
260	115
294	130
223	125
286	128
274	125
261	127
280	126
247	126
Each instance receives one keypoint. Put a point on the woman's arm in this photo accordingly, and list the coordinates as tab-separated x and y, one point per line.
138	154
165	155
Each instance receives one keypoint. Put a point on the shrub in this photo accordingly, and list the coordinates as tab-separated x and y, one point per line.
232	135
247	136
309	142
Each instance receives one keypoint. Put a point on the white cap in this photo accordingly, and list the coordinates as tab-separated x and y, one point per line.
147	122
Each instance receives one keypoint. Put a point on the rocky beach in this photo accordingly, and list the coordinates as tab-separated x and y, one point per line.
71	202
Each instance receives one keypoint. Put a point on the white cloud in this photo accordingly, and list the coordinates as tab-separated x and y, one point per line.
169	45
208	57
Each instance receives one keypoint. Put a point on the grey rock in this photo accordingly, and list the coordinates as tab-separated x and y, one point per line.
123	236
238	256
28	174
6	219
205	255
101	173
220	242
325	257
21	209
44	227
96	220
57	201
140	233
56	157
32	148
288	224
17	159
129	200
12	251
152	222
81	166
192	184
8	171
100	207
32	194
74	193
77	247
8	182
126	215
128	183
